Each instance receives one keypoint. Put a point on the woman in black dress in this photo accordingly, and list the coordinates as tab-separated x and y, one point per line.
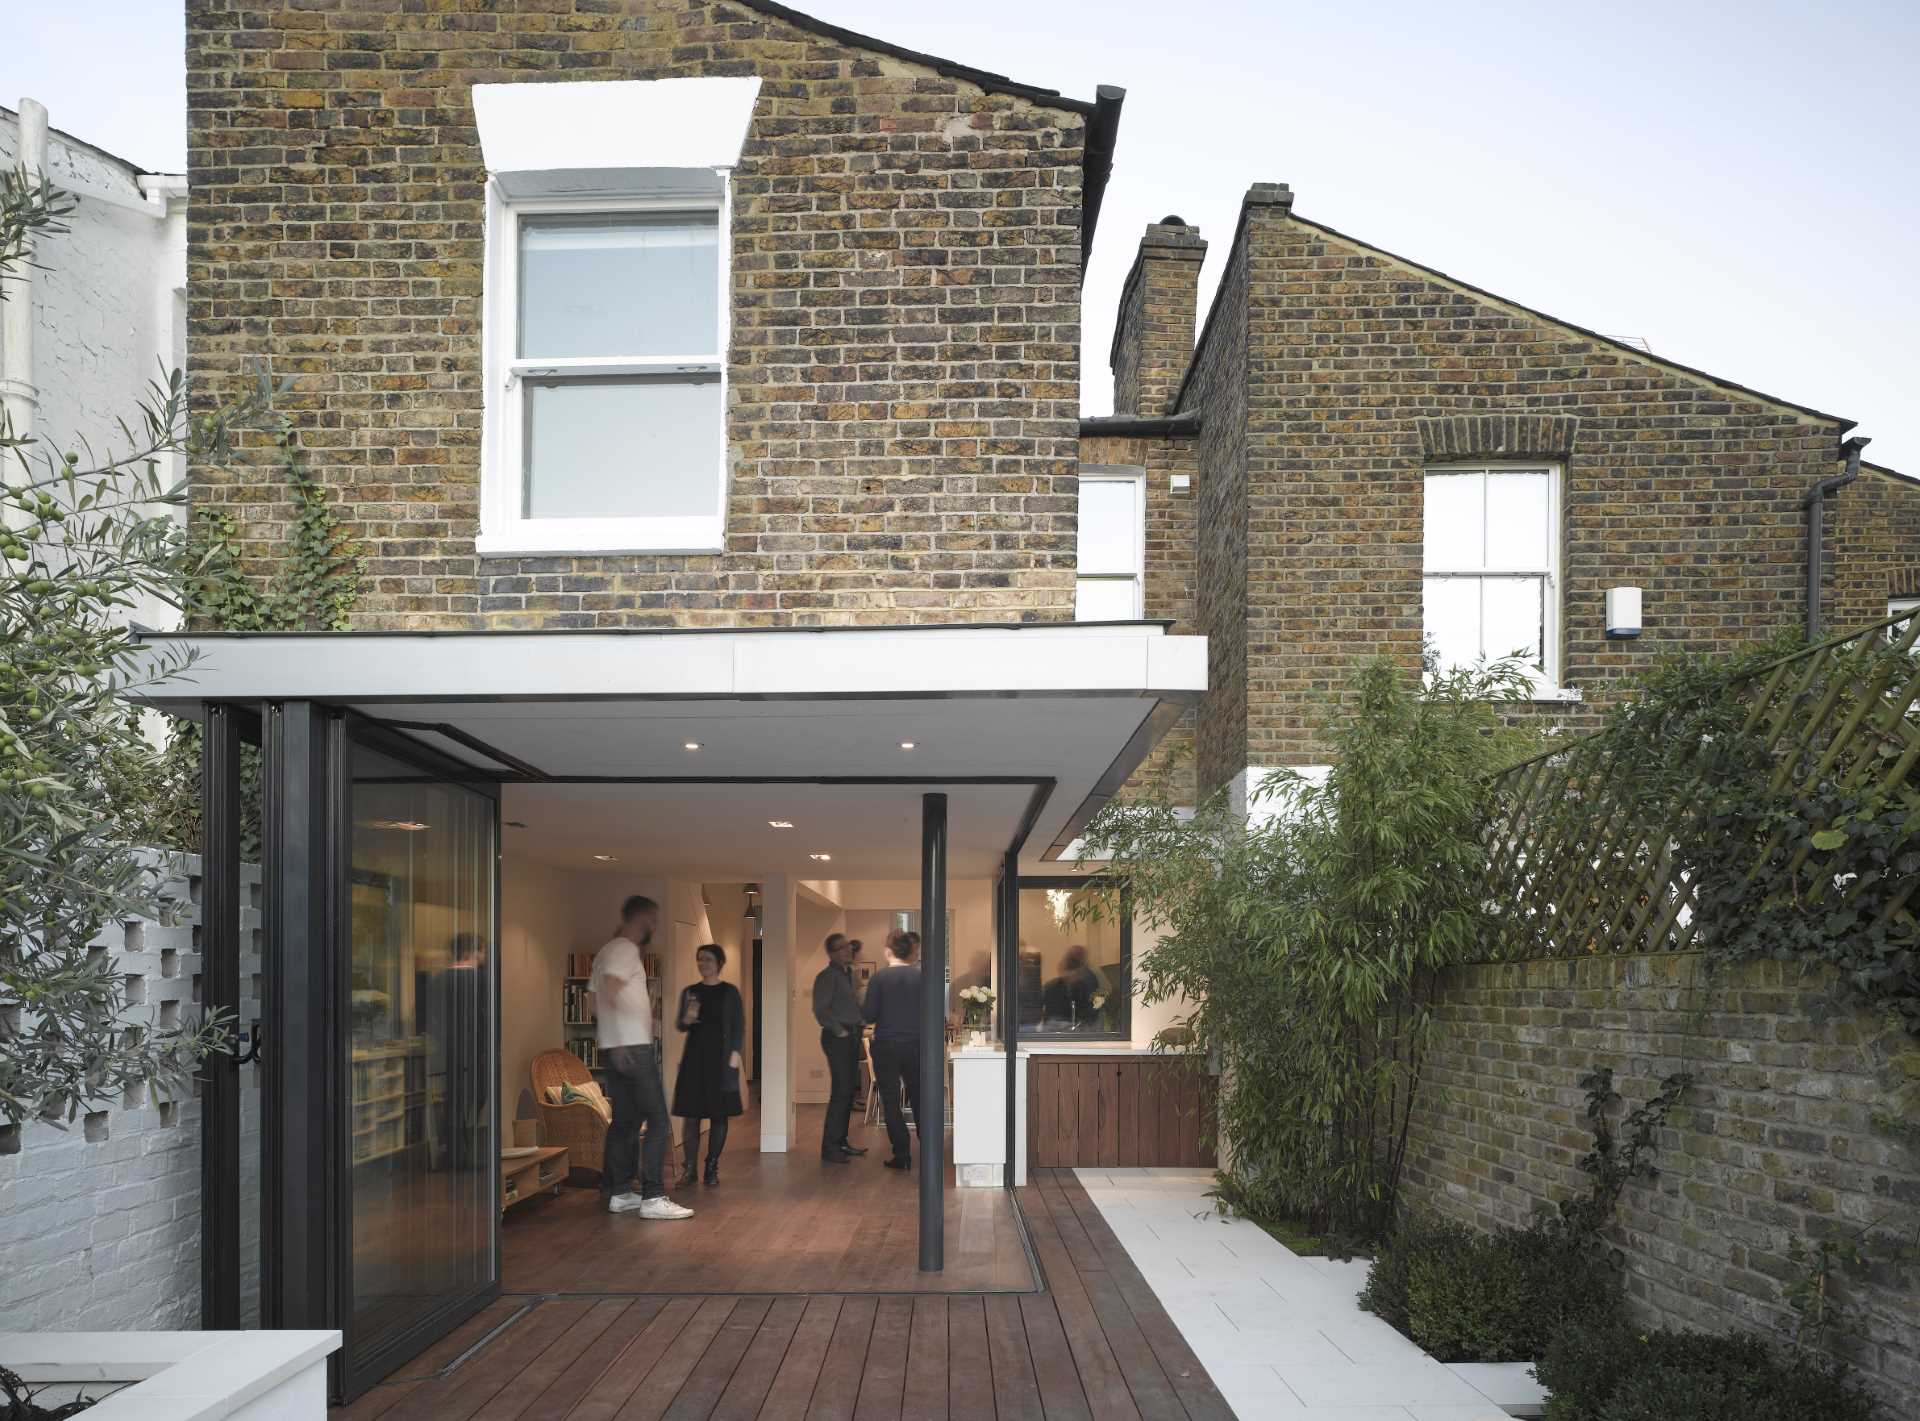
707	1086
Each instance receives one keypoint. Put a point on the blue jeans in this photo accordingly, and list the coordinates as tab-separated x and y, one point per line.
634	1085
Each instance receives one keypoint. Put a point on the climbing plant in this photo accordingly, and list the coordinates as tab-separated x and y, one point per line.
311	586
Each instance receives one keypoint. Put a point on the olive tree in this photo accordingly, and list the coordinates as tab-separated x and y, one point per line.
84	533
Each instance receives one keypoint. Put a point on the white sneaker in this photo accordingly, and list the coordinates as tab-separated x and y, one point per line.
625	1203
661	1207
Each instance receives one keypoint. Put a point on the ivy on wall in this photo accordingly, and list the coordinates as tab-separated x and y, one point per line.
312	587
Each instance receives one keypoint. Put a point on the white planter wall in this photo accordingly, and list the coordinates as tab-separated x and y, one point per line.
100	1222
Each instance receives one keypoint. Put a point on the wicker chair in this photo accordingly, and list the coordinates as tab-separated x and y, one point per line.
577	1126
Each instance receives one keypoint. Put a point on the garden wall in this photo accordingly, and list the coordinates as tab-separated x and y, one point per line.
1802	1121
100	1221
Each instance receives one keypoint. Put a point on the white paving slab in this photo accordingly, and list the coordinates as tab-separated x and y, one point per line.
1283	1335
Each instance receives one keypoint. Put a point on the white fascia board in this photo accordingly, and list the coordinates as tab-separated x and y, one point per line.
956	661
624	124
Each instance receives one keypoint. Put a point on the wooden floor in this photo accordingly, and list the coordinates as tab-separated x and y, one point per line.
1094	1344
782	1223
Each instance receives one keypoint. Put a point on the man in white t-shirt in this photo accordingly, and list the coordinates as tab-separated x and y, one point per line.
623	1021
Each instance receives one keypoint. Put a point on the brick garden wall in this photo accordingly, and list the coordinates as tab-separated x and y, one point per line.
904	376
1778	1138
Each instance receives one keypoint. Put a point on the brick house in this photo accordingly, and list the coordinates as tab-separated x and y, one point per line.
1320	466
701	383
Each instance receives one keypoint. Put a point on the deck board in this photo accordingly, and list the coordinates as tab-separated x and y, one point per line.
1095	1344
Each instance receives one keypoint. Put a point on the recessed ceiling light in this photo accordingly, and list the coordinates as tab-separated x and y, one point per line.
823	858
906	744
606	858
691	745
779	823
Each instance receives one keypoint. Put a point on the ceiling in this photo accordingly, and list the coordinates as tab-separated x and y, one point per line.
719	833
989	713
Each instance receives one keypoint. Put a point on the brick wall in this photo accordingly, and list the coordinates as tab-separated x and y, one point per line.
1216	388
1153	336
1781	1137
904	377
1336	372
1873	548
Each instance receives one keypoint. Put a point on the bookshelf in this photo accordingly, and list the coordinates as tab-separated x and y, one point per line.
577	1026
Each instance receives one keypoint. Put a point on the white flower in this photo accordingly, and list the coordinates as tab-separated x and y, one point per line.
1099	1000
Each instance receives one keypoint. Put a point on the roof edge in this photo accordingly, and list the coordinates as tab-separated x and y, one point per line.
1840	423
1633	352
985	79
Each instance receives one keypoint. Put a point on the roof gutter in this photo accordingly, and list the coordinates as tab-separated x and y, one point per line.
1125	425
1814	501
1103	132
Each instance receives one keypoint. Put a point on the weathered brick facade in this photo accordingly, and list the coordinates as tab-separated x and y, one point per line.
1798	1126
1330	374
904	372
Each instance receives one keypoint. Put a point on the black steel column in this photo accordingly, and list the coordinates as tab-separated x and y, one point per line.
1009	1002
299	1231
931	1109
220	993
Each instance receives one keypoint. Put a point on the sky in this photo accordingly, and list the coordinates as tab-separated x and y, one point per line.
1736	184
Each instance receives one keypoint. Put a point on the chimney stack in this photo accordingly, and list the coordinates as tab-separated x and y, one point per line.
1153	338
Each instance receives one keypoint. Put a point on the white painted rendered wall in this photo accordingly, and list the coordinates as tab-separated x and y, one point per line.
109	304
100	1222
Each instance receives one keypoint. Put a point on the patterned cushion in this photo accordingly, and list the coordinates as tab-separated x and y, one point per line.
586	1093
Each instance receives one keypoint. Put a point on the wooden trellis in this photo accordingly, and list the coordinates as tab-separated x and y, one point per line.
1581	853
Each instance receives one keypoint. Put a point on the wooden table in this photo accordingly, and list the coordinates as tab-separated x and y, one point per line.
524	1176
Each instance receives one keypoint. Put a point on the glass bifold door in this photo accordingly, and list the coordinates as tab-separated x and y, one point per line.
349	920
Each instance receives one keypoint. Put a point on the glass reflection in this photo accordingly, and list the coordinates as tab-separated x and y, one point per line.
1073	973
421	1059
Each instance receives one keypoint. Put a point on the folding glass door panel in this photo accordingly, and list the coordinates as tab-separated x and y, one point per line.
420	1012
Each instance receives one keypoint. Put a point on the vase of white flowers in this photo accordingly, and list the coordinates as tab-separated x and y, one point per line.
976	1010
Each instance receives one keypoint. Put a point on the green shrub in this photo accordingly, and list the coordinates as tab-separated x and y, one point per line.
1466	1296
1614	1372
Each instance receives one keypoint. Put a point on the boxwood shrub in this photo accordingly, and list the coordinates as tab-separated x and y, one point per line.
1466	1296
1615	1372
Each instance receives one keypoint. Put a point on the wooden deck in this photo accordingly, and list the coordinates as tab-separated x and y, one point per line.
778	1223
1095	1343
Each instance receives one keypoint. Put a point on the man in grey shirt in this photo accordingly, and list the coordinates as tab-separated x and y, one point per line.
893	1006
838	1011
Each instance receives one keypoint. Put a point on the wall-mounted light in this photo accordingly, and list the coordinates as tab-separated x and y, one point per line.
1623	612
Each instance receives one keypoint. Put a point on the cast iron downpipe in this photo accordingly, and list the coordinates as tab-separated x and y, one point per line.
1815	503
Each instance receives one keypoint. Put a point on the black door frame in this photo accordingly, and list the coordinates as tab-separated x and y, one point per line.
355	1374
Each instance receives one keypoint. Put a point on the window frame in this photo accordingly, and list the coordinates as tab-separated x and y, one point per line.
1548	677
1137	477
1906	608
1034	1035
505	528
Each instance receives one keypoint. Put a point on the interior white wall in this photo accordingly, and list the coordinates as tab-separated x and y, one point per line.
779	909
971	900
